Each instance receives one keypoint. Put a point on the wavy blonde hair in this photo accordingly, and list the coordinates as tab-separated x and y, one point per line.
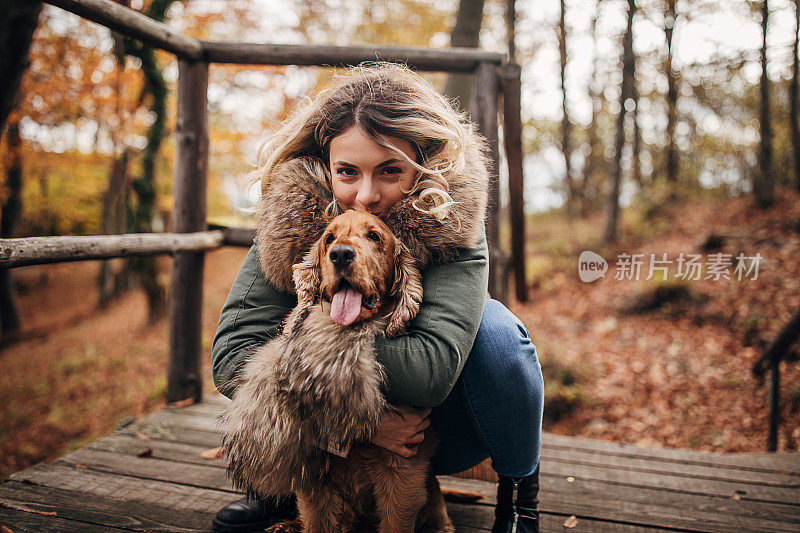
385	100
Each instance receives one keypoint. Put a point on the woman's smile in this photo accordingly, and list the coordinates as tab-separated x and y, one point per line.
366	176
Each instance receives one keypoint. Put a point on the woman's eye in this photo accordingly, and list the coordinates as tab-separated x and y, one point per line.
373	236
347	171
393	170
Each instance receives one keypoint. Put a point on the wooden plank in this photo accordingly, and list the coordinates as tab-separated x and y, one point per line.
184	370
18	521
562	460
133	24
158	428
419	58
171	495
788	462
44	250
109	512
645	507
556	461
174	451
195	475
658	502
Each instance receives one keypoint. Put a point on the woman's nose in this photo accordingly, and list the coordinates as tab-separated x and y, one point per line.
367	194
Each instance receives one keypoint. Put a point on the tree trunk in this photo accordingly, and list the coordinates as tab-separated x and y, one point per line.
670	18
9	219
16	33
795	103
589	166
511	22
144	186
465	33
765	182
565	125
612	207
111	280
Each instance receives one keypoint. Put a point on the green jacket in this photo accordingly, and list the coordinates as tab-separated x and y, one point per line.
421	366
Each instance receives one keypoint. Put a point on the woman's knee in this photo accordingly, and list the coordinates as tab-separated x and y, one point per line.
504	357
503	344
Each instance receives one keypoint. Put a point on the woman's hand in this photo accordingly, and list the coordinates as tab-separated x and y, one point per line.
402	429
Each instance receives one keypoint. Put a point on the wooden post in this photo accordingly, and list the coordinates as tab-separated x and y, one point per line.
774	403
511	86
484	113
188	214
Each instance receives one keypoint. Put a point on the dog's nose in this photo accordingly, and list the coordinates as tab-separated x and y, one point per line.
342	255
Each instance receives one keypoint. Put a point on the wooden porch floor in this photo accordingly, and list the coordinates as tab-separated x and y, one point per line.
151	476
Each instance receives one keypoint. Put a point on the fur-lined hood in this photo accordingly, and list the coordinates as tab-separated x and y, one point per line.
290	216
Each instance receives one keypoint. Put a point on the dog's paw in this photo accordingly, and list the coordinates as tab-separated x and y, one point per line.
286	527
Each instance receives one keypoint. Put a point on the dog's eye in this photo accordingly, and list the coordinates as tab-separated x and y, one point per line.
328	239
373	236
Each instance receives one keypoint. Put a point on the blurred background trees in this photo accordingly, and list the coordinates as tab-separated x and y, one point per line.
625	103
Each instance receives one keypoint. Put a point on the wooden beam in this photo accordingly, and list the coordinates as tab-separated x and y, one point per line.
44	250
484	113
133	24
425	59
184	370
236	236
510	85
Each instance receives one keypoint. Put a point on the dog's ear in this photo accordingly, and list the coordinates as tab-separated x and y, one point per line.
306	276
407	290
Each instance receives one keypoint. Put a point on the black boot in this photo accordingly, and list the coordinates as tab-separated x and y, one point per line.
517	502
254	514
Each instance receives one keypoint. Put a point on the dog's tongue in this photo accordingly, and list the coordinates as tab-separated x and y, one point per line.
345	306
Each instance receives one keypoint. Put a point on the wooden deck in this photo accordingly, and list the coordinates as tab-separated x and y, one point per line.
151	476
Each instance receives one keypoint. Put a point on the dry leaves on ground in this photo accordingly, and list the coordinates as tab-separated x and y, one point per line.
214	453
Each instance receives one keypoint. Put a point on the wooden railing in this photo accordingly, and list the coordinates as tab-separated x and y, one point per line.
777	351
191	237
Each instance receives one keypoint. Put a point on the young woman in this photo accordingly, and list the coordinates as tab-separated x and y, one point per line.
382	140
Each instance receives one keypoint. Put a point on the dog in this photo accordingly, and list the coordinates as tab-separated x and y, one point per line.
317	385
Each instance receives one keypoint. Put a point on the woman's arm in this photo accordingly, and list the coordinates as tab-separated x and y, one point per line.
423	366
252	314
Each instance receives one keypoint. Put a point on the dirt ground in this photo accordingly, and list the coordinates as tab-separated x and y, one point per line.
653	362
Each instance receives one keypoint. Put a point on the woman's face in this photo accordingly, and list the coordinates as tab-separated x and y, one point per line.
366	176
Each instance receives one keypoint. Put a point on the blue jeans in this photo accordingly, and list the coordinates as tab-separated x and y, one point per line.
495	408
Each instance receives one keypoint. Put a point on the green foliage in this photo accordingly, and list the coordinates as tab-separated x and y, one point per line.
61	192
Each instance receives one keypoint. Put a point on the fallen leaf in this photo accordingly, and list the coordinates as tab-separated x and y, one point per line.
570	522
182	403
570	479
4	529
213	453
142	436
81	466
148	452
736	497
51	513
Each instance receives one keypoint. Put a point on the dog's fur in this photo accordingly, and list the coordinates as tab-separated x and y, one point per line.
290	221
319	382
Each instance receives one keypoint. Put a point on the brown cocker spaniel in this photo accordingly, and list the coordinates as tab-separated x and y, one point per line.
317	386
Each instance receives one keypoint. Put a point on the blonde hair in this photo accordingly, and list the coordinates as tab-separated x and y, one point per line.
385	100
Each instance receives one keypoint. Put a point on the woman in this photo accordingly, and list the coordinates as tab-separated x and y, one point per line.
381	139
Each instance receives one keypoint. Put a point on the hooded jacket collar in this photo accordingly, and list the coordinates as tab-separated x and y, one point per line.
290	216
